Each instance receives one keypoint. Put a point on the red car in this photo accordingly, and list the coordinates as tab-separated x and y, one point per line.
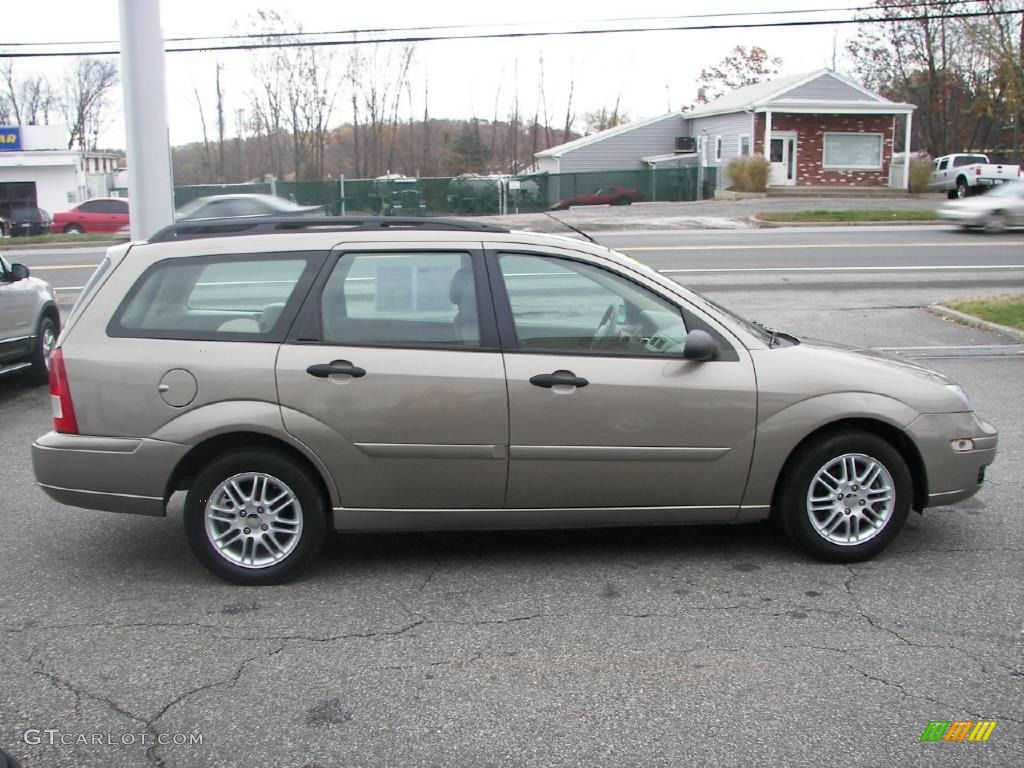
613	195
101	214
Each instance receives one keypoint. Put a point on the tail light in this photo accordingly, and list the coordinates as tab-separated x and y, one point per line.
60	396
977	171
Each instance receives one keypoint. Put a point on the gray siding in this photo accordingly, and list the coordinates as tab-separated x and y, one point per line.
730	127
825	87
623	151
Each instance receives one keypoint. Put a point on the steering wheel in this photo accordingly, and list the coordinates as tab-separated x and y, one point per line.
609	325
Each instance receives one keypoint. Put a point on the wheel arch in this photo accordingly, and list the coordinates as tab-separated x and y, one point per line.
49	309
205	451
893	435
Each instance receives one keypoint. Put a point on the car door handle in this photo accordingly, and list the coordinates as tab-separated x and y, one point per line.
323	370
564	378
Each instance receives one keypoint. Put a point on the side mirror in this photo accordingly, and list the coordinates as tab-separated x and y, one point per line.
699	346
18	272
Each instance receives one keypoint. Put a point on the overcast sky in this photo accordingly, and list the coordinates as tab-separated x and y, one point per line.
653	71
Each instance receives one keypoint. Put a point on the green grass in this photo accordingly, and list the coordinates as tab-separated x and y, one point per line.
1004	310
881	214
16	242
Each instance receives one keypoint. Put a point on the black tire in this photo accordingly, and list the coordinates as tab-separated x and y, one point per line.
6	761
46	336
962	190
73	229
795	486
624	201
313	512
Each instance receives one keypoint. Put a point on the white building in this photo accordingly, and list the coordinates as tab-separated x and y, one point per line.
38	170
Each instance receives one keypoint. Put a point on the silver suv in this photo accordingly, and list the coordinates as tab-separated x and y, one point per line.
29	322
382	374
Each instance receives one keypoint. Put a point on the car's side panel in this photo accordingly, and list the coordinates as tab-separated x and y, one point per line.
422	428
780	433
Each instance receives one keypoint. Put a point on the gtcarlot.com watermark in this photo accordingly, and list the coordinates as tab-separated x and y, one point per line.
54	736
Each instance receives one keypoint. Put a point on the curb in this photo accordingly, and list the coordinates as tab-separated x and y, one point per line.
58	246
976	322
765	224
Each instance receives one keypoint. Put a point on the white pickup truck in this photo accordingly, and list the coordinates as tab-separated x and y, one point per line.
965	174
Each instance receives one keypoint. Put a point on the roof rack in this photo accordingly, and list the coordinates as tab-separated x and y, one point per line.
267	225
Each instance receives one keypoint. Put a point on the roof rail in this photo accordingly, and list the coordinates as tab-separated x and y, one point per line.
267	225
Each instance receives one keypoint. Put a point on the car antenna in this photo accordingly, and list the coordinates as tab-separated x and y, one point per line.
570	226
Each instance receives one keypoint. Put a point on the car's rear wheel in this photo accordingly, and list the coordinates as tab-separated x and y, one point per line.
73	229
255	517
845	496
46	339
962	190
623	200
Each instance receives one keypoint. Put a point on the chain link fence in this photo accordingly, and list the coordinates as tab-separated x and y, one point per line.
472	194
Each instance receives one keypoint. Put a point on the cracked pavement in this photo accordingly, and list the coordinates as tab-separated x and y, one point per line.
654	647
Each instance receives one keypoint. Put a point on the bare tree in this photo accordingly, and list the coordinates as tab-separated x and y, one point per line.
569	116
604	118
27	101
87	85
207	155
221	176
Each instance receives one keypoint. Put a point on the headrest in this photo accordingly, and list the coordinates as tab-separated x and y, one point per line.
462	281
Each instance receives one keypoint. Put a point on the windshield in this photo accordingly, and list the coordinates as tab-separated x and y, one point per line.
193	205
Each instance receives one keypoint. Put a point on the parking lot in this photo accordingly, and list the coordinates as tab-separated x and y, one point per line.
687	646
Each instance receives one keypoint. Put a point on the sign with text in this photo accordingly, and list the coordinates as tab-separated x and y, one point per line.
10	138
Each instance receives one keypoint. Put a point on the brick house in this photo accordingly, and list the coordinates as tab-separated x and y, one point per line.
821	129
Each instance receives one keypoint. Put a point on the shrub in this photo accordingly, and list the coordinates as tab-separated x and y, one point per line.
737	170
920	175
758	170
749	174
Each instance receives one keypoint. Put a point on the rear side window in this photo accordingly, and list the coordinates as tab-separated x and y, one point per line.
245	298
968	160
401	299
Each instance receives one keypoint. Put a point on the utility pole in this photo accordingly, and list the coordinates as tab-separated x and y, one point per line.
150	186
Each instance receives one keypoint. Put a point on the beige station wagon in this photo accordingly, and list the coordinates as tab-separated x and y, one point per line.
382	374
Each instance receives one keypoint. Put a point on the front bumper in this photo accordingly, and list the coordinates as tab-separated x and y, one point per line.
953	475
114	474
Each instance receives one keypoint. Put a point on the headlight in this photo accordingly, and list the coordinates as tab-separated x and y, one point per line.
959	392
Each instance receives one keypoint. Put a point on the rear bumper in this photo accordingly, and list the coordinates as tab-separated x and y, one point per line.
953	475
109	473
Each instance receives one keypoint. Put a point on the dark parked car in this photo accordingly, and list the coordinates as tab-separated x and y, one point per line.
30	221
614	195
102	214
224	206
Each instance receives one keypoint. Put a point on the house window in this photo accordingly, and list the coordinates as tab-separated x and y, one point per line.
853	150
718	149
744	145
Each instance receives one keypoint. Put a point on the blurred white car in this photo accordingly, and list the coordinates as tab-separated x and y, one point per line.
994	211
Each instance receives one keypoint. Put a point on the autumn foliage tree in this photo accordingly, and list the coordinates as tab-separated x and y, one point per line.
964	74
743	66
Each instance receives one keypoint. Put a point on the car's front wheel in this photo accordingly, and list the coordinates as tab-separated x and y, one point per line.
73	229
845	496
255	517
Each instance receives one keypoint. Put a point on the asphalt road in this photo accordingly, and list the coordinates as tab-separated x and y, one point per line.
659	647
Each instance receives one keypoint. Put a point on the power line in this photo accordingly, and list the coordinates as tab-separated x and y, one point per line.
378	30
530	34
